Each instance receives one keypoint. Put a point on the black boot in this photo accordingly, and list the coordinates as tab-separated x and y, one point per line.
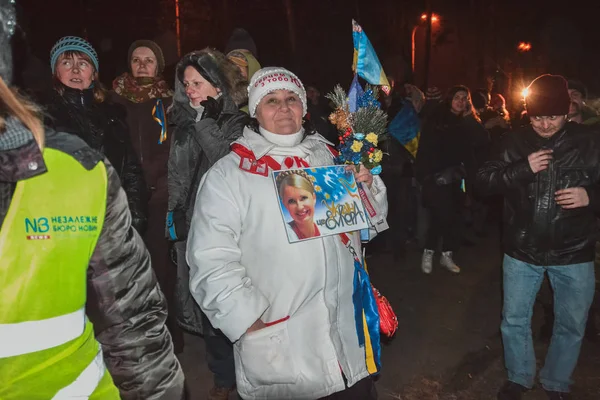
511	391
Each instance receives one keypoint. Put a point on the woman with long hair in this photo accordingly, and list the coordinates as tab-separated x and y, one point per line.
445	159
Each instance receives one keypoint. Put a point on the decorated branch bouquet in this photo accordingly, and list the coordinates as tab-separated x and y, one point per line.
361	124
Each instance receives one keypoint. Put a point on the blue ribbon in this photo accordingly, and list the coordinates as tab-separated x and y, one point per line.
364	301
158	113
171	226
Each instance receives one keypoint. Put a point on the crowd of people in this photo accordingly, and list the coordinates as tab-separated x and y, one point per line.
159	216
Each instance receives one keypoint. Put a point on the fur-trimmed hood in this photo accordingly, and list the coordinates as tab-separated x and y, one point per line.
215	68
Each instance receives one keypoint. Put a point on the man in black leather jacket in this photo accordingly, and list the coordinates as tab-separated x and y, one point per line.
549	175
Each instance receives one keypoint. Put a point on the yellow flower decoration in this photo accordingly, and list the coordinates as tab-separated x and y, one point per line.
356	146
377	156
317	188
327	196
372	138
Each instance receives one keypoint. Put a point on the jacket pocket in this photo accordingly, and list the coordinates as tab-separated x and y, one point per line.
570	177
266	356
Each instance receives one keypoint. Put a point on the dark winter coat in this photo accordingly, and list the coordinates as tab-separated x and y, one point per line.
536	229
319	117
144	133
448	142
102	126
124	302
196	146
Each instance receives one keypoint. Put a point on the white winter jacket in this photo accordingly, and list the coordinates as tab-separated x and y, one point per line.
242	269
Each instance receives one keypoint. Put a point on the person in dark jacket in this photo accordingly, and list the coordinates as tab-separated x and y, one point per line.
550	178
448	143
123	300
579	111
145	95
405	102
209	89
78	105
318	113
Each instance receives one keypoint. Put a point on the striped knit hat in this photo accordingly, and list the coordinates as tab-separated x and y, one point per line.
73	43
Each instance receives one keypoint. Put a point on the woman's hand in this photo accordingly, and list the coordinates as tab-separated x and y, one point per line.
212	108
362	176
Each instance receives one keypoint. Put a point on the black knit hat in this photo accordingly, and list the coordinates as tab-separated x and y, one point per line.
160	59
241	40
548	95
579	86
479	99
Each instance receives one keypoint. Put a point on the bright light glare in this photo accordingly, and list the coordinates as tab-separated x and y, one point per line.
525	92
523	46
434	18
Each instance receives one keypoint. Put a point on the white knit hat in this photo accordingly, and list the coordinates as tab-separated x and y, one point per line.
267	80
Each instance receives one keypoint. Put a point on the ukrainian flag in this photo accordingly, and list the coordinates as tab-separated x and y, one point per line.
406	127
366	64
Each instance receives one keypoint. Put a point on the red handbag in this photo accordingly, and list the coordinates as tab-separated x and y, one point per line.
388	322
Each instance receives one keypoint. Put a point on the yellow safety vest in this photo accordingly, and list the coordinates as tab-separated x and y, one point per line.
47	345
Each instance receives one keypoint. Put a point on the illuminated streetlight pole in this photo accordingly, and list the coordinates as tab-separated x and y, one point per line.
434	18
177	28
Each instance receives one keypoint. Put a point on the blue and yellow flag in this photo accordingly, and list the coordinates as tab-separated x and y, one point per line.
406	127
366	63
354	94
158	113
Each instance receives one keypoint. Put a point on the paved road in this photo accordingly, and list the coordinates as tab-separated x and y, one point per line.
448	344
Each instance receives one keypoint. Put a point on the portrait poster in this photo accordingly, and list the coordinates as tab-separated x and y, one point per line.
317	202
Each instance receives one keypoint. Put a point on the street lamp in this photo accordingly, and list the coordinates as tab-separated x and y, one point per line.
524	46
434	18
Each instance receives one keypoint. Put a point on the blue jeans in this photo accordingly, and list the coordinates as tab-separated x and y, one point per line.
573	287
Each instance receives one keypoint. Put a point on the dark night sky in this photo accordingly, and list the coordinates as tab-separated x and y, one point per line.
475	37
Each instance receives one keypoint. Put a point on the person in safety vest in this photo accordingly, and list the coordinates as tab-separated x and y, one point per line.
81	314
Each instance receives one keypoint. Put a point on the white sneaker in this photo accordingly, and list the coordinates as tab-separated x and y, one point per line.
427	261
447	261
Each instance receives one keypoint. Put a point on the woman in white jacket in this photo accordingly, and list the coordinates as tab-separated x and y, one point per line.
287	307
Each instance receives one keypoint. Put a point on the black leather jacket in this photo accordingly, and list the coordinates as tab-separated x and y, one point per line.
102	126
536	229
